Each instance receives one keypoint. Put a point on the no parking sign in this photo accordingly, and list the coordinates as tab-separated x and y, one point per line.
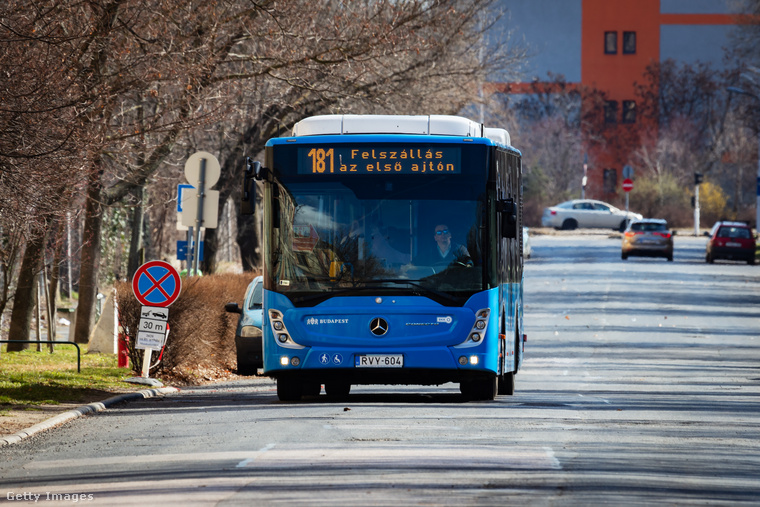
156	283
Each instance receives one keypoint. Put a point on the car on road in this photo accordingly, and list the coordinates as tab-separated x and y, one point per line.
248	339
648	237
587	214
731	241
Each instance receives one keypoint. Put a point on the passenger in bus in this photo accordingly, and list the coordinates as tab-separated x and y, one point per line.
444	251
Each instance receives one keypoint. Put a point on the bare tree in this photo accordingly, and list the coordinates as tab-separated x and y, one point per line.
553	125
40	141
415	57
143	74
696	132
744	40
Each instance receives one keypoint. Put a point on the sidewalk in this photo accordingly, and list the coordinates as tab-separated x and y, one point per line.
65	413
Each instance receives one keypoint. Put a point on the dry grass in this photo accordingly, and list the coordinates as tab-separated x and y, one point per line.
201	339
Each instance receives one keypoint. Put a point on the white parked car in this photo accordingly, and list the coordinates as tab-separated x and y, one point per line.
587	214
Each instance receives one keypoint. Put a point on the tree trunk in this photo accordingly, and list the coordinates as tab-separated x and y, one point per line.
210	251
248	239
55	268
136	242
88	276
23	301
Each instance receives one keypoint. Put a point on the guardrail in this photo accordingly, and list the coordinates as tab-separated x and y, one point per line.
79	350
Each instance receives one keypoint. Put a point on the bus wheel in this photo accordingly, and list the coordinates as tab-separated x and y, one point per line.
289	389
337	389
507	383
479	390
311	388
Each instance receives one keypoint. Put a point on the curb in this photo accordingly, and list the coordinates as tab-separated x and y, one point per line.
83	410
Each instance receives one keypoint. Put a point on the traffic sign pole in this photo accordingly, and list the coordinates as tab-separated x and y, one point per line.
146	363
199	216
627	187
189	259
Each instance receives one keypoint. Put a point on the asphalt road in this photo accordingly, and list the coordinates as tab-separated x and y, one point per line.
641	386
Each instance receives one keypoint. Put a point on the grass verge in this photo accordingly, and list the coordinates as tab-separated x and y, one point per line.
31	378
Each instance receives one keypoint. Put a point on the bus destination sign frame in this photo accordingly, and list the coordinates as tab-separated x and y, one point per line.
325	160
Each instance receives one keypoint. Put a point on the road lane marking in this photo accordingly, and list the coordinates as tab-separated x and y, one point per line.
402	426
393	456
261	451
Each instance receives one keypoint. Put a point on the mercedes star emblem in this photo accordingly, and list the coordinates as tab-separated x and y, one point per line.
378	326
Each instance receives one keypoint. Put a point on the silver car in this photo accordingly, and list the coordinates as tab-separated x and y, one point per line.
587	214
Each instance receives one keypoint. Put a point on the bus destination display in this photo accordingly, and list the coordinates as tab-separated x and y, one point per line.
326	160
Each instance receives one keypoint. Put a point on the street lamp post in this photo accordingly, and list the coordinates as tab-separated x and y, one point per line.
733	89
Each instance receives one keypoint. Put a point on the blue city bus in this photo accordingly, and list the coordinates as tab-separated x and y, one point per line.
392	252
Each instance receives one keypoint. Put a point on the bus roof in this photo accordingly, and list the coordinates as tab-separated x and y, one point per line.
434	125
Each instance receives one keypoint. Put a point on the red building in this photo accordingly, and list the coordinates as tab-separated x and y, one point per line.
608	45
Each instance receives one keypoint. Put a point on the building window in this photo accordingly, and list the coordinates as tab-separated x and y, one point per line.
629	43
629	111
610	43
610	111
610	181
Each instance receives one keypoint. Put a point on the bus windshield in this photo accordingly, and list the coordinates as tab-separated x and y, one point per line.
394	234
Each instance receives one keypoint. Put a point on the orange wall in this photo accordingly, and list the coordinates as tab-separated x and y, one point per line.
617	73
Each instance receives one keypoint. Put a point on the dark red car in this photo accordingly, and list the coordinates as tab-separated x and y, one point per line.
732	241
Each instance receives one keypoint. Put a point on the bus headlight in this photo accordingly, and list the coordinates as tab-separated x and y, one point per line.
280	331
478	331
284	360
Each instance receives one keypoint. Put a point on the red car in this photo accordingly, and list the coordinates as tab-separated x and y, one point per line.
732	241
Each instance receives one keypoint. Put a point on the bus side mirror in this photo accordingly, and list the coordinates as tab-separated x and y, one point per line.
248	200
508	211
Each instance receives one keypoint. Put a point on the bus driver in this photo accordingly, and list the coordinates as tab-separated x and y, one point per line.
446	252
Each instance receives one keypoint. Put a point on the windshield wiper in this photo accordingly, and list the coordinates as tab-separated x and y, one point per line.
419	290
424	290
329	292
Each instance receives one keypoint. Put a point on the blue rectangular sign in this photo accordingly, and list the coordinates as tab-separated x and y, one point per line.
182	251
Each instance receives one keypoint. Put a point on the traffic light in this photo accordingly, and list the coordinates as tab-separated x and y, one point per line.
698	178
